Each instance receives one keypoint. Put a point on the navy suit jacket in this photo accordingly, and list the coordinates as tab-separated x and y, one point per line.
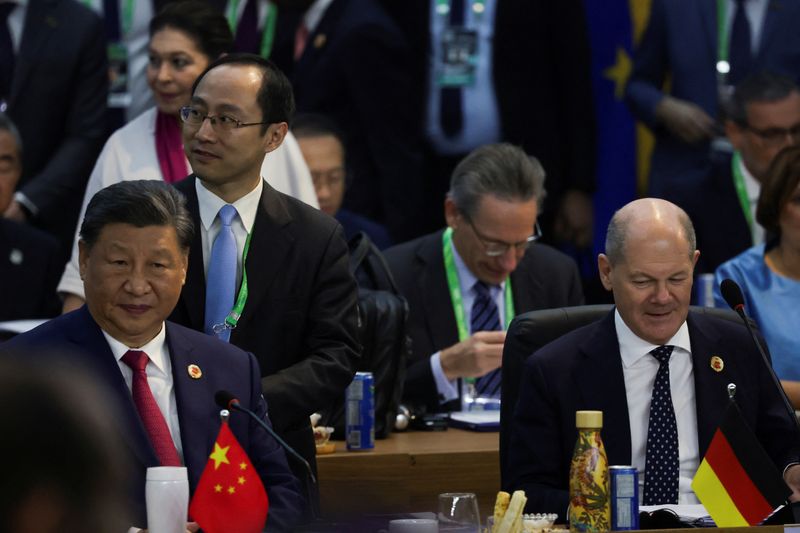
58	102
583	370
224	367
545	278
681	41
713	206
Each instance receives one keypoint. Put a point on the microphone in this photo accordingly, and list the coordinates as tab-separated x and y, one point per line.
733	297
227	400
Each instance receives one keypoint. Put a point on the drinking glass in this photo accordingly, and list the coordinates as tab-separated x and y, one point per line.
458	513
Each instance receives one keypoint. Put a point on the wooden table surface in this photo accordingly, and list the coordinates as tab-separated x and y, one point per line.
407	472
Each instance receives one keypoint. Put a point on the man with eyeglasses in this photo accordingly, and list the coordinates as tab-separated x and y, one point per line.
762	117
464	284
266	272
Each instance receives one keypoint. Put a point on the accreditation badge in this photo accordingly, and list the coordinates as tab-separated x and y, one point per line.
459	57
118	94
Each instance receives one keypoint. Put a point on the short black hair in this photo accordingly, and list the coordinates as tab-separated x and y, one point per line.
275	96
762	86
316	125
206	26
140	203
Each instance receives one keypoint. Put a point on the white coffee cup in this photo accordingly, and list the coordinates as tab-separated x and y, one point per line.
413	525
167	498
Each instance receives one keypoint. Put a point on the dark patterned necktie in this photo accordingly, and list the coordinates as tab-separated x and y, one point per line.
486	317
740	51
661	462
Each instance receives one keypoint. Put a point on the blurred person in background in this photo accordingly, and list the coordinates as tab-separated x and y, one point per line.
769	274
184	38
322	145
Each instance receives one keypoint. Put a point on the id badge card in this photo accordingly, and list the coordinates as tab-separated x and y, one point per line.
459	57
118	95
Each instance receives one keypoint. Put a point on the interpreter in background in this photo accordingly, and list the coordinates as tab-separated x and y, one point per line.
769	273
185	37
322	145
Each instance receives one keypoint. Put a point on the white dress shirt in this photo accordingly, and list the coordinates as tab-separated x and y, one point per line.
639	369
16	23
159	377
753	188
756	11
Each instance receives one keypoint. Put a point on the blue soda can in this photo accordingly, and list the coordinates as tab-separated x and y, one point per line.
360	412
624	498
704	290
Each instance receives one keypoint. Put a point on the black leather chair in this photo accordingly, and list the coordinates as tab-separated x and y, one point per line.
529	332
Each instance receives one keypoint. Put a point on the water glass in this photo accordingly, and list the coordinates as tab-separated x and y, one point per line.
458	513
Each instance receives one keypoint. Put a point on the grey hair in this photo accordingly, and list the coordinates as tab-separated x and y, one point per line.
140	203
501	170
6	124
617	233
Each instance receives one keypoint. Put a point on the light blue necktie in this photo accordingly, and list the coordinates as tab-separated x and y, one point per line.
221	279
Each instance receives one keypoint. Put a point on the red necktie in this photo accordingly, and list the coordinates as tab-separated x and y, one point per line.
154	423
300	38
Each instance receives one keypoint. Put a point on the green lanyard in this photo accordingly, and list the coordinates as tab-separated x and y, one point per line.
455	289
233	317
723	67
741	189
267	36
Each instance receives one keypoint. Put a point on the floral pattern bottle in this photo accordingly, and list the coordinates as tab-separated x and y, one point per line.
589	503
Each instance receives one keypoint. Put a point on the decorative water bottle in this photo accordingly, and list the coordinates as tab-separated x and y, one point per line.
589	504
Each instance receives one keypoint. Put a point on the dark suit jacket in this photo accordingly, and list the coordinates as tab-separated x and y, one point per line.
300	316
534	41
713	206
29	272
58	102
77	336
356	69
583	370
545	278
681	42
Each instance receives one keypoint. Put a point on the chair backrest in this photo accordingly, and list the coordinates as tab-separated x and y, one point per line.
529	332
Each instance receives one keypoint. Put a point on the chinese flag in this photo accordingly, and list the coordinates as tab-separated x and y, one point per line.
230	496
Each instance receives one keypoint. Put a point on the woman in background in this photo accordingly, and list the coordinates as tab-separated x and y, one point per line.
769	274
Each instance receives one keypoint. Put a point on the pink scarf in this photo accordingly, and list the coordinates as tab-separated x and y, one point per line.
169	148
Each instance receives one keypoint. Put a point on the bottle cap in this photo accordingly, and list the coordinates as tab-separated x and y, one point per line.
589	419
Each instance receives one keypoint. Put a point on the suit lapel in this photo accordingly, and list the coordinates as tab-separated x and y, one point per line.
318	39
708	21
41	21
194	291
270	245
435	295
601	386
772	18
526	291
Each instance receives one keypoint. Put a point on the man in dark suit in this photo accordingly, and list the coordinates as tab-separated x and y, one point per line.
762	118
29	265
134	247
650	343
349	61
292	300
56	88
491	212
681	44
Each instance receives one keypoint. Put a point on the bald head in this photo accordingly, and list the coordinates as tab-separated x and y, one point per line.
647	218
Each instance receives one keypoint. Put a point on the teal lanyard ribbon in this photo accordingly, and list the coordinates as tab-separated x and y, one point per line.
722	35
270	21
233	317
741	189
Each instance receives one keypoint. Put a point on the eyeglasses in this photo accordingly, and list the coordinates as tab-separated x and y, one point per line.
494	248
776	136
194	117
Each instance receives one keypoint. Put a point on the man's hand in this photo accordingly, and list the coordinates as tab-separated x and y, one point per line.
792	478
474	357
685	120
15	212
574	219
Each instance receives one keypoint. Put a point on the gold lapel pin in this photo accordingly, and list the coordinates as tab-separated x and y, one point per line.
717	363
194	372
320	40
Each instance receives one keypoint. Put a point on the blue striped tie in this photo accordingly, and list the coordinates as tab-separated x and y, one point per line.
486	317
221	279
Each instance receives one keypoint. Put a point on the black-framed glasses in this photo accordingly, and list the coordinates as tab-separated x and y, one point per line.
776	136
194	117
493	248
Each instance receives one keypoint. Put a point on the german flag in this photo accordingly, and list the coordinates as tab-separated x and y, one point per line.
737	482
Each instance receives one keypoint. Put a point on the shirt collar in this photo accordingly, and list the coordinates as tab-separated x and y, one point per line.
315	13
210	204
154	349
466	279
751	184
633	348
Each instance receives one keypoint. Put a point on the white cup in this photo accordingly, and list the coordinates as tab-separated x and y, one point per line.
413	525
167	498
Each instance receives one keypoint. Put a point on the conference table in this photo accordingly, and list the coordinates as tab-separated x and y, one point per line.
407	471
